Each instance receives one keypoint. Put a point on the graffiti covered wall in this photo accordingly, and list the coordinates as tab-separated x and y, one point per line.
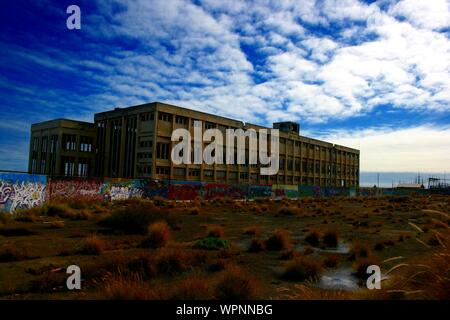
74	189
21	191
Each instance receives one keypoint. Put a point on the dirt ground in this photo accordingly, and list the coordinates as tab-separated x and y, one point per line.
258	249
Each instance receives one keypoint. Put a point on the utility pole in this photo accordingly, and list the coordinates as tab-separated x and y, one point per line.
378	179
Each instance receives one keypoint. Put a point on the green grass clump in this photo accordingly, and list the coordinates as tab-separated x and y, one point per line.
212	243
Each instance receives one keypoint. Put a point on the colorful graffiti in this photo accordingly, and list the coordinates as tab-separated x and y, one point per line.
74	189
221	190
21	191
118	189
18	191
285	191
255	191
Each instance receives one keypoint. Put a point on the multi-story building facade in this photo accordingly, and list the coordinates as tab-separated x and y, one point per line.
62	147
135	142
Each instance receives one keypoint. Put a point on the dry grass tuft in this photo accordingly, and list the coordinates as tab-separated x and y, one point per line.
256	245
10	253
235	284
330	239
279	240
251	231
129	288
313	238
216	231
302	268
193	288
159	235
93	245
56	224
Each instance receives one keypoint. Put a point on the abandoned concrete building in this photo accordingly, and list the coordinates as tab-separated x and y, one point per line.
62	147
135	142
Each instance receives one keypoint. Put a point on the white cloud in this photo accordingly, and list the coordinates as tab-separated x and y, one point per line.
429	14
420	149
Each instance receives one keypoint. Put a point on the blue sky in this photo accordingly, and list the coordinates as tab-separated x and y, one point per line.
369	74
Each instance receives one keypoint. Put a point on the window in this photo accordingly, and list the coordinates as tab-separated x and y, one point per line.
162	170
144	155
53	143
243	175
83	167
68	165
181	172
289	164
220	174
181	120
297	165
233	175
194	173
42	166
208	173
146	144
209	125
162	150
69	142
282	163
86	144
35	144
164	116
147	116
144	169
44	145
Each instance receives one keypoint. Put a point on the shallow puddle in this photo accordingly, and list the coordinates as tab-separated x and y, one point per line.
342	248
339	279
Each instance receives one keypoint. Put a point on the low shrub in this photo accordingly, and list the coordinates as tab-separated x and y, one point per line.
134	219
313	238
359	251
93	245
379	246
256	245
28	215
302	268
16	232
216	231
287	211
5	217
11	254
330	239
194	211
251	231
193	288
331	261
159	235
56	225
279	240
60	210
